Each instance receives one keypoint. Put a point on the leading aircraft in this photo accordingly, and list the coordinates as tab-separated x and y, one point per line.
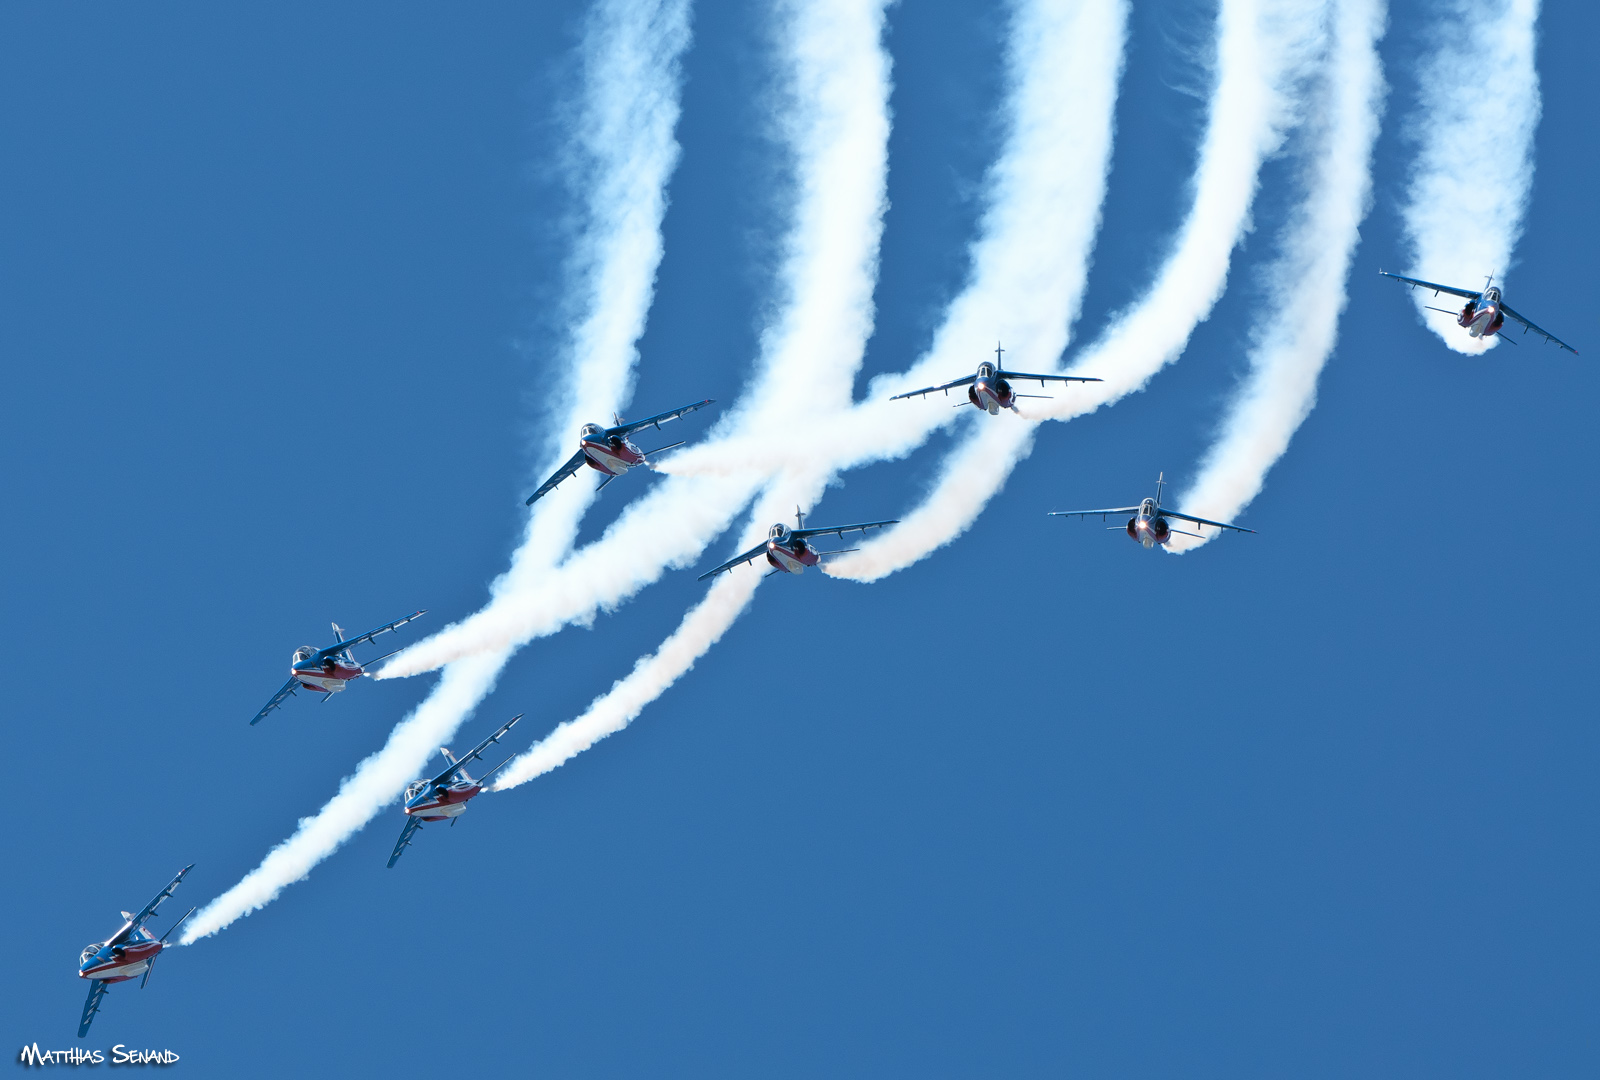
608	450
1484	312
990	389
1149	525
786	549
446	795
127	954
326	671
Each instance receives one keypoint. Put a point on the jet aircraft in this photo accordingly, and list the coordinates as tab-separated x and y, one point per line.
609	451
1149	525
1484	312
990	389
127	954
786	549
446	795
326	671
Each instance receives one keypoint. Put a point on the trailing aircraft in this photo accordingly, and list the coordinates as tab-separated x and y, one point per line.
990	389
1485	312
786	549
327	671
127	954
609	451
1149	525
445	797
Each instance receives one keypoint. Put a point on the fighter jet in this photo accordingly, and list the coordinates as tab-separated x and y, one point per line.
327	671
990	389
1149	525
127	954
608	450
786	549
1484	312
446	795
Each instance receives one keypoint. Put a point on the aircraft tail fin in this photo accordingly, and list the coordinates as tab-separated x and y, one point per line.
338	633
448	756
1161	482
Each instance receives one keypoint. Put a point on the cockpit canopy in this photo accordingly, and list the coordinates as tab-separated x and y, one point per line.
985	371
1147	507
89	952
593	429
777	532
1492	295
304	652
415	788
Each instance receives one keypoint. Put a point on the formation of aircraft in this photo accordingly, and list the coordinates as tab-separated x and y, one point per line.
132	950
786	549
1149	525
1484	312
127	954
609	451
445	797
328	671
990	389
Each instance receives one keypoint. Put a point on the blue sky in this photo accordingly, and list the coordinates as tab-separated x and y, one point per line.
275	298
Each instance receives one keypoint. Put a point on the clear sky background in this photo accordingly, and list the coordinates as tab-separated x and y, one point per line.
274	315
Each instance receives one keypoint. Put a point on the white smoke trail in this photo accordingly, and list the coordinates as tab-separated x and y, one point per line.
1476	119
701	628
1042	37
1262	48
1029	261
1293	341
834	114
1056	212
838	120
624	153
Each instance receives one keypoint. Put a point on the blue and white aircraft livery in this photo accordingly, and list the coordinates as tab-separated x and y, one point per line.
786	549
609	451
1149	525
127	954
990	389
326	671
1484	314
445	797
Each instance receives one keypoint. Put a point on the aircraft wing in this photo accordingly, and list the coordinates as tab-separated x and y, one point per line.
735	561
149	909
455	766
968	381
1164	512
412	825
97	993
369	635
624	430
801	534
1547	335
574	463
1042	378
279	698
1470	294
1091	513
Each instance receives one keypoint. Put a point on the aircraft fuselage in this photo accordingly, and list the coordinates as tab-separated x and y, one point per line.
1148	528
118	963
1482	317
791	556
612	456
441	802
327	677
